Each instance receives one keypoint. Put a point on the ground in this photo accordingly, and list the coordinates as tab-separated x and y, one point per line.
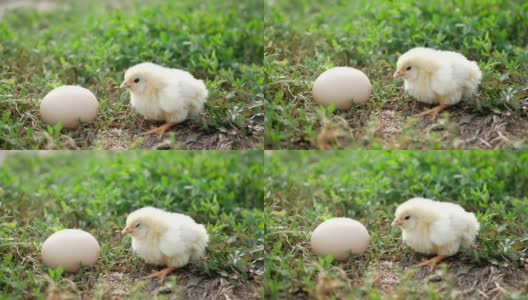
47	44
95	190
304	188
304	38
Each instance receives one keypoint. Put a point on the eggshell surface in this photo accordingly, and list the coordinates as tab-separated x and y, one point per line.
70	248
340	237
341	86
69	104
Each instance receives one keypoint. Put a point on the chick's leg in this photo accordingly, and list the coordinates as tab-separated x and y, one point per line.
431	262
433	112
161	130
161	274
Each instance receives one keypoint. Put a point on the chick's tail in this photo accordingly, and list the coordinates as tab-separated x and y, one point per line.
473	79
472	229
200	243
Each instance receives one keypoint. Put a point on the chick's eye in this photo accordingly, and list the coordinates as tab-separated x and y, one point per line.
136	80
137	225
407	218
408	68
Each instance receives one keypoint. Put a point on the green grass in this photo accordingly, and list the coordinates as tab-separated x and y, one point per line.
305	188
303	38
92	43
95	191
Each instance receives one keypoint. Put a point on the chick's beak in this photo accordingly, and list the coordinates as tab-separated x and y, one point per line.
396	223
398	74
127	230
125	85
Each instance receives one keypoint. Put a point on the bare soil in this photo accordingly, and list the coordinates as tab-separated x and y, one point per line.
461	280
396	127
187	286
184	136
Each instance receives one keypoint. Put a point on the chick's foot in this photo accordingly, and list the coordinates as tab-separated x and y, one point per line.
161	130
433	112
431	262
161	274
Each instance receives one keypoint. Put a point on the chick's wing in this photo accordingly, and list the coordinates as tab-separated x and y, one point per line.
172	99
171	243
441	232
442	81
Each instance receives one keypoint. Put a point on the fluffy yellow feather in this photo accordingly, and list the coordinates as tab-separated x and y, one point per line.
164	238
437	77
434	227
164	94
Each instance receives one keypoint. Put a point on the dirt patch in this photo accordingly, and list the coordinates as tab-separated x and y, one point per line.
393	125
386	275
186	286
113	139
184	136
463	280
218	288
490	132
488	282
114	286
396	127
189	139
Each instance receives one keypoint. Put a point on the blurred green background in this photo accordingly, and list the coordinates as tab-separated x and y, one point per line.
304	188
304	38
92	43
42	192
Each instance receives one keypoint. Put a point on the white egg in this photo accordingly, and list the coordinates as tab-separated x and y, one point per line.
68	105
340	237
341	86
70	248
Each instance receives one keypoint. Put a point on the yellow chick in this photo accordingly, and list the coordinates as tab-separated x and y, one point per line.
164	238
437	77
434	227
164	94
